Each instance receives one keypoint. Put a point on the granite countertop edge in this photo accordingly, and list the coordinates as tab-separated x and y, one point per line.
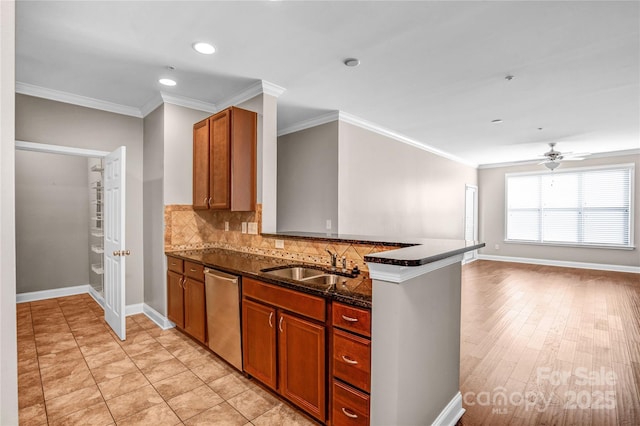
354	299
410	252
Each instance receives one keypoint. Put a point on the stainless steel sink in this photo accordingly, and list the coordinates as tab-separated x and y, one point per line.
306	275
297	273
329	279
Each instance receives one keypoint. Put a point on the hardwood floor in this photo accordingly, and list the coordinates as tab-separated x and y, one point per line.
549	346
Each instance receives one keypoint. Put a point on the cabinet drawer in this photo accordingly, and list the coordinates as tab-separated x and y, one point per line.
174	264
194	270
352	359
352	319
290	300
350	406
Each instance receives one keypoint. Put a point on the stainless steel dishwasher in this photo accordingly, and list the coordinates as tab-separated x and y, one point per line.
223	315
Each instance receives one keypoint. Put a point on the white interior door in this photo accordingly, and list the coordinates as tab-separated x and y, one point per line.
471	218
114	240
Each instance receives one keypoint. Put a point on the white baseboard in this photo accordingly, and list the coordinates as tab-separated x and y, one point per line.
96	296
52	294
157	317
137	308
562	263
450	415
133	309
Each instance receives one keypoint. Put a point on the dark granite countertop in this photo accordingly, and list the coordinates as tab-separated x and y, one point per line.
353	291
410	252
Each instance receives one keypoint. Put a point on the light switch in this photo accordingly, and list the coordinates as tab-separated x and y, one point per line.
226	225
244	227
328	224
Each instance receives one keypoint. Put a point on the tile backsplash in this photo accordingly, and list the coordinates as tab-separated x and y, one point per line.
188	229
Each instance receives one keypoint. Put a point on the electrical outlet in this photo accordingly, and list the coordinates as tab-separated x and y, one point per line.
279	244
328	224
496	247
252	228
244	227
226	225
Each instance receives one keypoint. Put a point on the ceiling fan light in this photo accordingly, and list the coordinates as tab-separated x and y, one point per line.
551	165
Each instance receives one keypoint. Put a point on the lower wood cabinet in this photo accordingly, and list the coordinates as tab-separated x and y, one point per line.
285	350
259	342
350	406
175	298
195	316
302	361
186	297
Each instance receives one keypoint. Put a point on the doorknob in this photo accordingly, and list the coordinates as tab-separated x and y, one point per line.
122	252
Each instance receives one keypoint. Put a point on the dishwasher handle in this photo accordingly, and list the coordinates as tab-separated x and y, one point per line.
220	275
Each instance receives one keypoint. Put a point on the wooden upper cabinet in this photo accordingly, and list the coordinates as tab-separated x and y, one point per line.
220	160
201	165
224	161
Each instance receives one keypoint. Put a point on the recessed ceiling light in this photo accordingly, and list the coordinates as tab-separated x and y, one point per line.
204	48
167	82
496	121
352	62
509	77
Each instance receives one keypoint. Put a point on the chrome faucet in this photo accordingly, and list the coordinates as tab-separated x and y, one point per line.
334	259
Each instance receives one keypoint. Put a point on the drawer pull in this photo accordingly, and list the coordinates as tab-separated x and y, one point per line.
346	318
348	413
270	318
193	270
349	360
280	325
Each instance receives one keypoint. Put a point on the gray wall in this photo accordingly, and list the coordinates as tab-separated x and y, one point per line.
168	164
153	208
178	152
492	224
52	221
45	121
308	179
390	188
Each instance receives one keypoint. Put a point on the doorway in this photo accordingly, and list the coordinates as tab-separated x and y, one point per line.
104	226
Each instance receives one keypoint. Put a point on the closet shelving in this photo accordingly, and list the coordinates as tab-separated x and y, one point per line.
96	249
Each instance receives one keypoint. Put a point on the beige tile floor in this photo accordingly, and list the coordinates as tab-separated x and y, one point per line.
72	369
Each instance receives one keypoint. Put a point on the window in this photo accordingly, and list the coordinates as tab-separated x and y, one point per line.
590	207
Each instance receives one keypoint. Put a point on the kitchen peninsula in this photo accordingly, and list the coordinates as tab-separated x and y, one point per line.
412	300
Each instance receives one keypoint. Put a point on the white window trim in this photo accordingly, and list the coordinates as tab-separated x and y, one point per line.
631	245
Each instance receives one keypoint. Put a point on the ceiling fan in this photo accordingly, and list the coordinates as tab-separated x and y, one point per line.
552	157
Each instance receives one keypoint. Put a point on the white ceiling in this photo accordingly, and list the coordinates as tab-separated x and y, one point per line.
430	71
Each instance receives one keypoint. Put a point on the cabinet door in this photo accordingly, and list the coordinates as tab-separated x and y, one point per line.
194	309
201	165
175	298
220	160
302	363
259	342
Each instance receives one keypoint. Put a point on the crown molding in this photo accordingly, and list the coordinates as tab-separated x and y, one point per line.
537	161
70	98
258	88
151	104
312	122
357	121
367	125
271	89
188	103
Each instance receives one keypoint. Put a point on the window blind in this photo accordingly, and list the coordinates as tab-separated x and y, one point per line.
577	207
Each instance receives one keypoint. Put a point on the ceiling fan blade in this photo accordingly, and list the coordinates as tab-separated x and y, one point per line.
573	159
